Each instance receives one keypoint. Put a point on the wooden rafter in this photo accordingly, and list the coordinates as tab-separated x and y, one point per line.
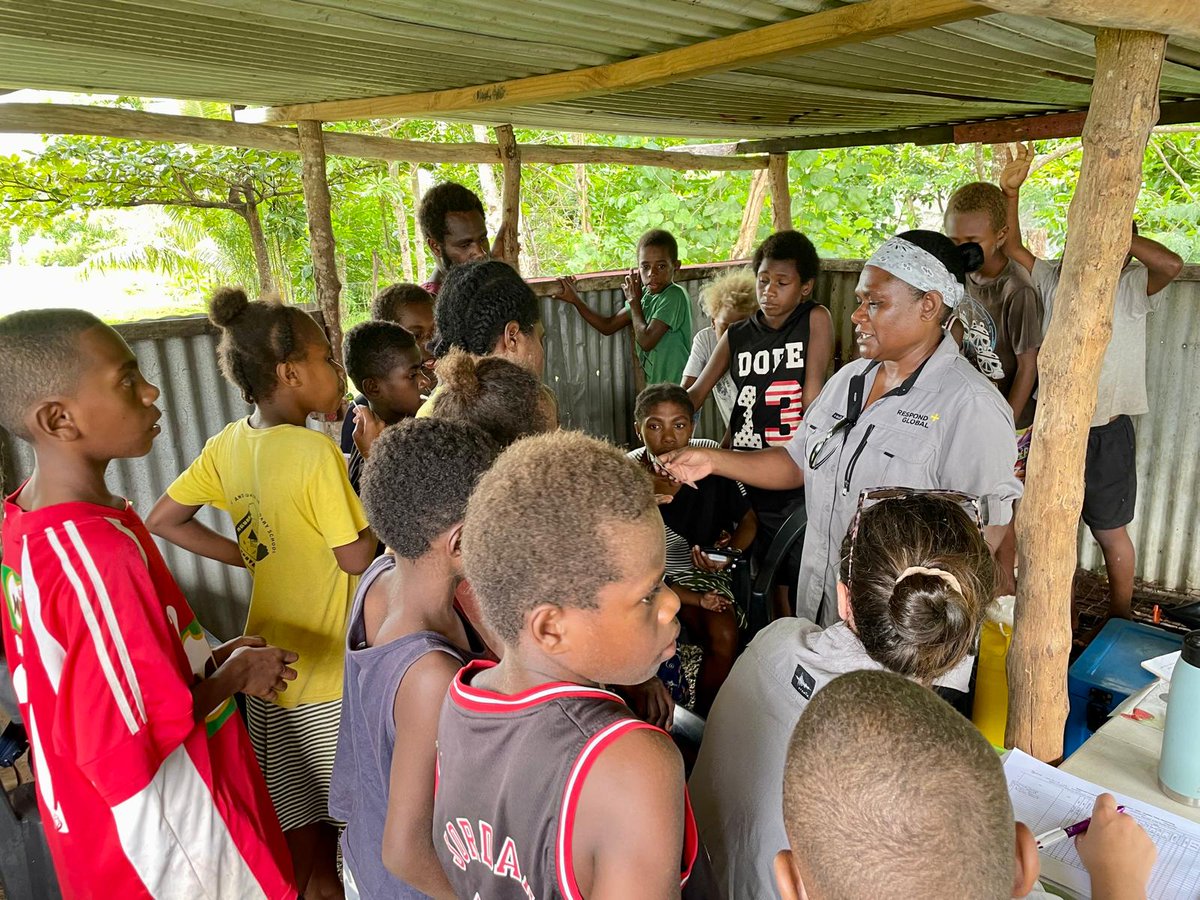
850	24
1175	18
53	118
996	131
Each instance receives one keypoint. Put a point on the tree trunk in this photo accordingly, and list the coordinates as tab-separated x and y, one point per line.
320	230
510	206
751	215
258	243
1124	107
418	245
487	182
781	197
401	214
582	190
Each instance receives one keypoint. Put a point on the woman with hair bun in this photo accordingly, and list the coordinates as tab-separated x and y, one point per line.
495	395
914	578
910	411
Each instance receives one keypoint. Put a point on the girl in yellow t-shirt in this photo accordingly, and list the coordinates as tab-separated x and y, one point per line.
302	535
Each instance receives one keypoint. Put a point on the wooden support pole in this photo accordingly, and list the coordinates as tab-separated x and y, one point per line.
320	230
510	196
781	196
1124	106
751	216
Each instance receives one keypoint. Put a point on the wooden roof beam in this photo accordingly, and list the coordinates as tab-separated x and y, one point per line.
996	131
1180	18
850	24
53	118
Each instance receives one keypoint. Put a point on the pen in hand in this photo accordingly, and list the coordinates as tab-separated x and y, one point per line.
1050	838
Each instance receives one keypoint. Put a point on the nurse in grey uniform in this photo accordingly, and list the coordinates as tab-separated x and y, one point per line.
911	412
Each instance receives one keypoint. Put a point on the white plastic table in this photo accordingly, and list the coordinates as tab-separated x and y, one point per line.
1123	757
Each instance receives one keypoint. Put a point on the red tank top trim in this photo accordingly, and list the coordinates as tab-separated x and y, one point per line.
564	850
474	699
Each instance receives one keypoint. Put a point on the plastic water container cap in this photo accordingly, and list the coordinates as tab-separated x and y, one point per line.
1191	649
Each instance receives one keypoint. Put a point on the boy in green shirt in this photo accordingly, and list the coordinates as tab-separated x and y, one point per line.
658	309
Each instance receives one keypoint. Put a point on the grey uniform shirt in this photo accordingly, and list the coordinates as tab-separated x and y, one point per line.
952	430
736	785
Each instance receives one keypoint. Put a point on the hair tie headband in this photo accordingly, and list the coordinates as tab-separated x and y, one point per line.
937	573
918	267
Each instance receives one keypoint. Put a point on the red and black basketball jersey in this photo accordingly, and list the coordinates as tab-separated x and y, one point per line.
510	773
767	368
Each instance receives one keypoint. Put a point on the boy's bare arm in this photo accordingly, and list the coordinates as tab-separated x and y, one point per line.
408	849
628	838
647	334
1015	171
1026	378
566	292
820	354
177	523
1162	265
717	366
354	558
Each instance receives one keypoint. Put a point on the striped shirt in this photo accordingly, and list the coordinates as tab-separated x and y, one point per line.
138	799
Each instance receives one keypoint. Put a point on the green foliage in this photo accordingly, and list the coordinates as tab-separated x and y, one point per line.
575	218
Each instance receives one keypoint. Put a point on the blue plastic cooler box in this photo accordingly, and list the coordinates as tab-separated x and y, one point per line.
1108	671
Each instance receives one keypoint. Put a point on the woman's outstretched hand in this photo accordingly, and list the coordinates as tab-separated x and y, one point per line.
687	466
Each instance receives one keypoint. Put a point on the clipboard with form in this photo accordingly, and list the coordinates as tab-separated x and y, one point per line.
1045	798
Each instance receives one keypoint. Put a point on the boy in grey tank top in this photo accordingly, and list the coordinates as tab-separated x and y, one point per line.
548	786
404	644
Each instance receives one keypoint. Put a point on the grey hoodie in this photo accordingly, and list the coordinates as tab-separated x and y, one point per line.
736	786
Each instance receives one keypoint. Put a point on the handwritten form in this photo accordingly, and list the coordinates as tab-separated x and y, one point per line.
1045	798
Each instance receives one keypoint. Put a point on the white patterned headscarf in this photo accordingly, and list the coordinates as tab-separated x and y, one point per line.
917	267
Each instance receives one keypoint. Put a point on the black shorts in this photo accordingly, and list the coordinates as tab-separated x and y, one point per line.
1110	476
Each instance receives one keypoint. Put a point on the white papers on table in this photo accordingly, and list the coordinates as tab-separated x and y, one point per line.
1045	798
1162	666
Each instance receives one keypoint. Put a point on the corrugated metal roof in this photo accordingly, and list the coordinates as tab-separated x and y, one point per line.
294	51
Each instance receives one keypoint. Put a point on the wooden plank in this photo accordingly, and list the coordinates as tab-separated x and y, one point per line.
320	230
781	195
1027	129
1179	18
818	31
54	118
1124	106
1049	125
510	199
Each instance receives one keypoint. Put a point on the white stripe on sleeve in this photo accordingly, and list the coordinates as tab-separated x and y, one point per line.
110	617
174	837
52	653
89	616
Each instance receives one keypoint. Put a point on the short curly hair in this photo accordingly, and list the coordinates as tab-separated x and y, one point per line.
447	197
386	306
40	349
505	400
372	349
793	245
980	196
732	290
255	338
539	522
418	478
476	301
659	237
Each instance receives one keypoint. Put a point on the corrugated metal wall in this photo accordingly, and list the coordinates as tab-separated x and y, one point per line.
592	376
